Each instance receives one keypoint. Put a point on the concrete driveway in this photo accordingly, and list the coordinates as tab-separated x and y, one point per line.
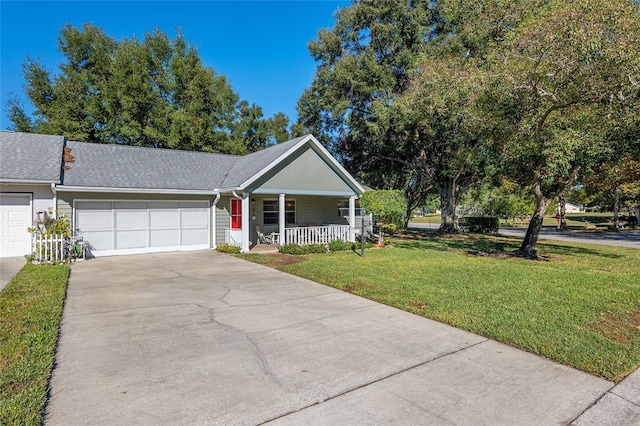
204	338
9	267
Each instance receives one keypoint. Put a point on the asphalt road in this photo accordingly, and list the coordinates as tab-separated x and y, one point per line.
623	238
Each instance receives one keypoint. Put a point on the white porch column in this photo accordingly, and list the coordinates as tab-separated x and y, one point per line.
281	219
352	217
245	222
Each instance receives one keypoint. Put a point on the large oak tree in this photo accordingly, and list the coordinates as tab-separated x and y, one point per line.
153	92
562	74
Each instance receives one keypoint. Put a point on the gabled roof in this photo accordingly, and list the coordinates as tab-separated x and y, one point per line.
248	166
118	166
278	154
30	158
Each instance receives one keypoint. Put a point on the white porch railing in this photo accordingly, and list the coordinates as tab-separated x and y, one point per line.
50	248
233	237
304	236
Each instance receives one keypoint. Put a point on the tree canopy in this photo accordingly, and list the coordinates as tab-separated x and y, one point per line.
451	93
367	57
565	72
153	92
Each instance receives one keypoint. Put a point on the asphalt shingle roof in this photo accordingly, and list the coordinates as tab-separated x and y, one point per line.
30	157
117	166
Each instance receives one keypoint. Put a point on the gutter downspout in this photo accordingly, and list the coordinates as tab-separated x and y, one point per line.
213	222
55	197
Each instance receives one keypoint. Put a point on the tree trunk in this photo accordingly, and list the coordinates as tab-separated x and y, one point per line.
528	247
563	211
616	209
408	216
447	192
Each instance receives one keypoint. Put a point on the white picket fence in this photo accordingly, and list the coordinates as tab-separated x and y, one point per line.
50	248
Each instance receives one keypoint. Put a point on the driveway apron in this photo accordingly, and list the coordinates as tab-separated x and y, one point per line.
205	338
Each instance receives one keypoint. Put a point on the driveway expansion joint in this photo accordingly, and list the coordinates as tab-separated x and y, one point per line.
380	379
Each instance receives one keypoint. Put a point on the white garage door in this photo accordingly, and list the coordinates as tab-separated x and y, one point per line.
15	218
127	227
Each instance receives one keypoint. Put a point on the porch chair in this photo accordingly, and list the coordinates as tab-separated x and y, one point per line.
263	239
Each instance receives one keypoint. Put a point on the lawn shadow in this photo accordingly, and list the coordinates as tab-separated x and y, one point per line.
488	244
421	240
558	248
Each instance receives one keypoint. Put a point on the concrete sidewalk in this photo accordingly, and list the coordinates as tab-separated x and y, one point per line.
205	338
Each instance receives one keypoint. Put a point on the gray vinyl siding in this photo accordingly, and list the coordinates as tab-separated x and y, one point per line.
65	201
304	173
223	218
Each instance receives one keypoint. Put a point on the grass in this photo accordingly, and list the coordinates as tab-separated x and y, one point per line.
30	312
581	308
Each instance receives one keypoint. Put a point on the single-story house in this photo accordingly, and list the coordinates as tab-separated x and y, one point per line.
573	208
126	200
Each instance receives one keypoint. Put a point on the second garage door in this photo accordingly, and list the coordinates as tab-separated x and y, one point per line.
15	218
127	227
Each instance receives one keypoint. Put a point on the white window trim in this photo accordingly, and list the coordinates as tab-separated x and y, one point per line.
294	211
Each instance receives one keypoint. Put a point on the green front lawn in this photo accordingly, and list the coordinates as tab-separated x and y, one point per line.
580	308
30	312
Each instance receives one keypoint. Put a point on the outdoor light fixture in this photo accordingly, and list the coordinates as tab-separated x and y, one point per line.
41	218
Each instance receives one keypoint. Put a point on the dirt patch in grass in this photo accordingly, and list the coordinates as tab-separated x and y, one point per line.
512	255
281	259
355	287
616	329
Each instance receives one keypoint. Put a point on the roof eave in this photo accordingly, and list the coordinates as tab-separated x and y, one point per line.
70	188
29	181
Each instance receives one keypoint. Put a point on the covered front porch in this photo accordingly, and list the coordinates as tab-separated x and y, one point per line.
278	219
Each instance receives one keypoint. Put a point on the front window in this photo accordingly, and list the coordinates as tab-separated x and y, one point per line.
343	208
236	214
270	212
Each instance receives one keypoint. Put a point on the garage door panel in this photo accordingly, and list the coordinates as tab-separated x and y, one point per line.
129	239
94	216
194	217
164	237
133	217
194	236
164	218
98	240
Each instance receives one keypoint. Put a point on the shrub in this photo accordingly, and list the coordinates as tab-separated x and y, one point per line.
316	248
481	224
339	245
227	248
389	207
292	249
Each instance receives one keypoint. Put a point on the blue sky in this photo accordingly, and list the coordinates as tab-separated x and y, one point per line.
260	46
